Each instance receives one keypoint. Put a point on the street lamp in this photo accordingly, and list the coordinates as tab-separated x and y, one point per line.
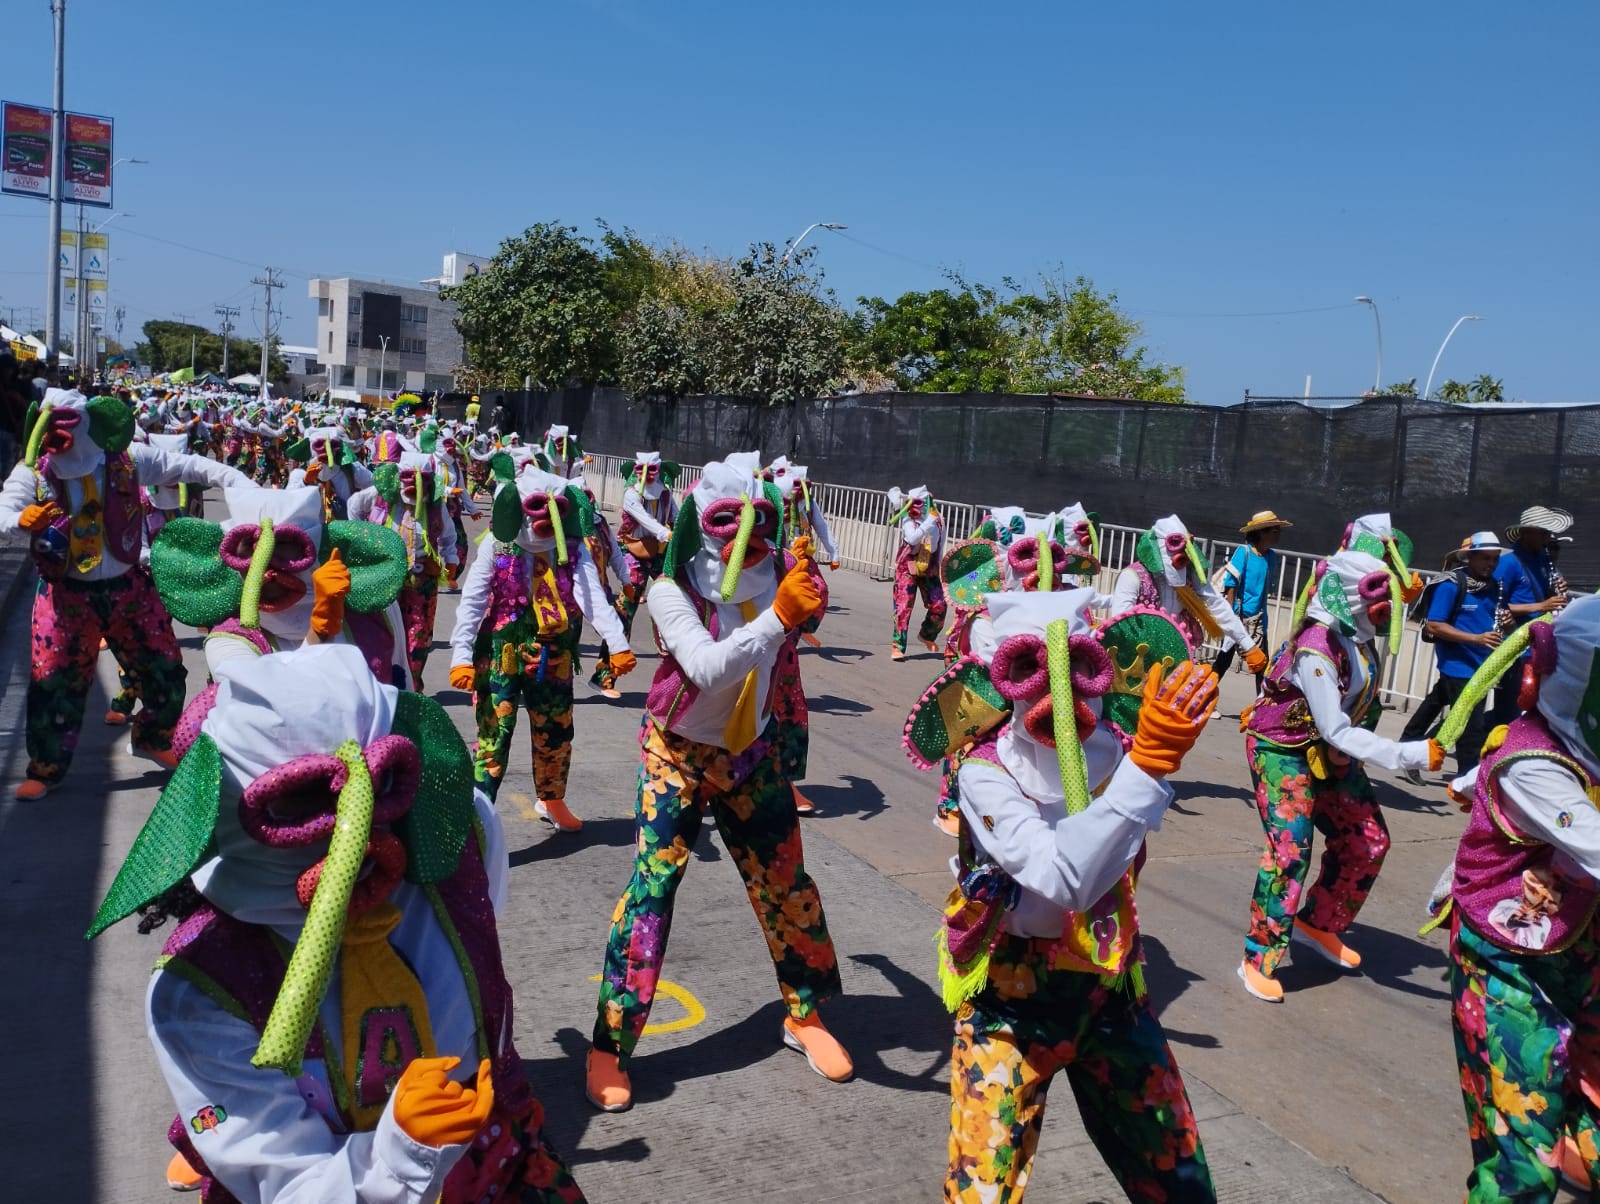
795	245
83	326
383	356
1378	383
1428	388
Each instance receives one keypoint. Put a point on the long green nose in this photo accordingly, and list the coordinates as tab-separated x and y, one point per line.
1047	566
741	546
1069	753
1397	614
561	532
305	982
255	575
36	436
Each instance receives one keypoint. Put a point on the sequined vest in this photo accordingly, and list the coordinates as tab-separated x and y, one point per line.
1281	715
122	514
511	584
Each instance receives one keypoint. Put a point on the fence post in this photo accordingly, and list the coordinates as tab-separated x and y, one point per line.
1555	460
1397	463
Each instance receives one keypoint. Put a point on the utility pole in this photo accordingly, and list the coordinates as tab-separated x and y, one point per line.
58	150
227	315
268	282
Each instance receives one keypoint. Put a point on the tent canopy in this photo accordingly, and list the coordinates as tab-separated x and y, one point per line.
248	379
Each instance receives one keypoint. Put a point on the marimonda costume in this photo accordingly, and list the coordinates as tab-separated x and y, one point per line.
916	567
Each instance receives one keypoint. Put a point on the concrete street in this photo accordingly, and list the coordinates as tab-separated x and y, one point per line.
1347	1092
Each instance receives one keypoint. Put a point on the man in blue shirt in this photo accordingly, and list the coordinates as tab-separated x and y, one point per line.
1248	580
1461	622
1530	586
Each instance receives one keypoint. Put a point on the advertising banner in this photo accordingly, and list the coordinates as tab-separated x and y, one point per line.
25	150
96	292
88	160
68	259
69	292
96	254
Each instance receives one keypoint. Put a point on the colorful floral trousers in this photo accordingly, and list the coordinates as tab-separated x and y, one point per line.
69	620
512	666
640	574
753	807
1029	1022
1527	1033
906	588
1291	804
419	602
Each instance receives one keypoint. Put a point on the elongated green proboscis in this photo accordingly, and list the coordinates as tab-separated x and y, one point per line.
255	575
1047	566
183	495
1298	616
36	436
1397	614
1069	753
561	532
741	546
1485	679
305	982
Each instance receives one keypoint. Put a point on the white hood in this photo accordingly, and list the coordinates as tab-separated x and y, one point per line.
723	479
299	507
1346	571
1569	698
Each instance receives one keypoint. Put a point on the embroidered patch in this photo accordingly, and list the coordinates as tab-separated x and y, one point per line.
1317	672
208	1117
1564	819
988	823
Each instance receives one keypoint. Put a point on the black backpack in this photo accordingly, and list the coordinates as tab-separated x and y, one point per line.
1418	611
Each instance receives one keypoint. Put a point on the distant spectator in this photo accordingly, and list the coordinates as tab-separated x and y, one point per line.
15	397
1530	585
1460	616
1247	582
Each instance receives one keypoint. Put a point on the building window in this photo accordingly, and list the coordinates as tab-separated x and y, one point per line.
330	342
355	305
353	339
414	313
344	376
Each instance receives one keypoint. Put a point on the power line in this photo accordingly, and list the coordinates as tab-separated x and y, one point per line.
227	313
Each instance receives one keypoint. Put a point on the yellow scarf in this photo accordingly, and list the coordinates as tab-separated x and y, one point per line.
85	540
384	1009
740	732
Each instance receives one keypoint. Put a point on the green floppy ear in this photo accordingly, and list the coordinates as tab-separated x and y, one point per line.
505	516
173	840
583	509
376	558
110	425
299	451
1147	554
684	545
1138	642
669	473
1331	594
958	710
441	487
429	439
503	467
774	497
626	469
386	480
435	830
186	561
969	571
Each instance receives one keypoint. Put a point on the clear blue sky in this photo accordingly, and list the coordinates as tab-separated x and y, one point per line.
1202	160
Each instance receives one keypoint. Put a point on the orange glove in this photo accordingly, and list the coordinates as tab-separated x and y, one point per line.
433	1110
313	472
37	517
798	596
462	677
1172	716
330	585
1255	660
1435	755
624	662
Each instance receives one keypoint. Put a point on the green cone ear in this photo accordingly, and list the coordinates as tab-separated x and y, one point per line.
684	545
198	588
435	830
503	467
299	451
110	425
969	571
1138	643
173	840
1069	752
429	440
959	709
1331	594
505	516
386	480
583	511
376	558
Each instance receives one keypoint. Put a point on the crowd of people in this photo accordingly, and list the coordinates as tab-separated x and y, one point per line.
331	1012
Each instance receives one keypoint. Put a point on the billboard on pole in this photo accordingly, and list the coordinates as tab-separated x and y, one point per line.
96	255
25	150
68	256
87	171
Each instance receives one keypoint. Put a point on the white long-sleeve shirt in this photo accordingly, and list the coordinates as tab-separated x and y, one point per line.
633	506
1547	801
1062	862
587	592
152	466
1125	596
362	503
359	473
275	1146
1315	677
827	550
717	667
914	530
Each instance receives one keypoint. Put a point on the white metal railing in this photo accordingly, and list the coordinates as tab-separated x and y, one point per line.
859	519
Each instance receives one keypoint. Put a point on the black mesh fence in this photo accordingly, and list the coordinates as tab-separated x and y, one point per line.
1441	470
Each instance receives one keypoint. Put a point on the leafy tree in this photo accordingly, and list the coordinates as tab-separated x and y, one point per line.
1486	388
166	348
943	341
1454	390
1404	388
781	339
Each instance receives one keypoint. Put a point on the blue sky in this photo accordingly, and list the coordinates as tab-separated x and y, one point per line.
1205	161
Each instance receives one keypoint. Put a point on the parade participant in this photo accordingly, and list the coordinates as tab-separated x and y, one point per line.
479	453
916	567
76	498
722	609
332	1015
563	456
1523	896
446	453
1306	738
610	562
1169	574
515	638
1040	956
803	519
165	502
328	461
406	497
355	438
649	513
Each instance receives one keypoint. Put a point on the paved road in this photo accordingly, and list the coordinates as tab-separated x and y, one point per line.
1345	1093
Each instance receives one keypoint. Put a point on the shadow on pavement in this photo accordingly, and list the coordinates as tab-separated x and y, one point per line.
840	655
1167	981
832	704
859	796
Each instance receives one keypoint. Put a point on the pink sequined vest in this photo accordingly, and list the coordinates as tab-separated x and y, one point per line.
511	585
1281	715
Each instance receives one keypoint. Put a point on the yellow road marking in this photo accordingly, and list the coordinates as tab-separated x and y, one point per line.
693	1010
524	805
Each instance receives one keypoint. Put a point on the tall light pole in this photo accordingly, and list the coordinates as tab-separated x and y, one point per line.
795	244
383	356
1427	389
83	325
58	150
1377	384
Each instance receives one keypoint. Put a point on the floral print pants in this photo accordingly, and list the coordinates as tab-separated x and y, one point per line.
69	620
906	588
1029	1022
1291	803
419	602
512	666
1527	1032
753	807
640	574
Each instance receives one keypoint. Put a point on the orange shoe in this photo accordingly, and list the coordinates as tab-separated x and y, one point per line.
1327	946
554	812
802	804
930	645
163	757
181	1176
811	639
826	1056
897	654
948	822
31	789
1263	986
116	719
606	1084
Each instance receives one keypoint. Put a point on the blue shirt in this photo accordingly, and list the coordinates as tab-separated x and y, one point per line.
1475	617
1250	574
1524	578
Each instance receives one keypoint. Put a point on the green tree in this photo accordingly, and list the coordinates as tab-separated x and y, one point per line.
1404	388
782	337
949	340
166	348
1454	390
1486	388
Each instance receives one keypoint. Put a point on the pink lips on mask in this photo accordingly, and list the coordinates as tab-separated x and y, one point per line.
721	522
58	435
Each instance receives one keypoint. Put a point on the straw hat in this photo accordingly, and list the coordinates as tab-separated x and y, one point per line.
1478	541
1264	520
1542	517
